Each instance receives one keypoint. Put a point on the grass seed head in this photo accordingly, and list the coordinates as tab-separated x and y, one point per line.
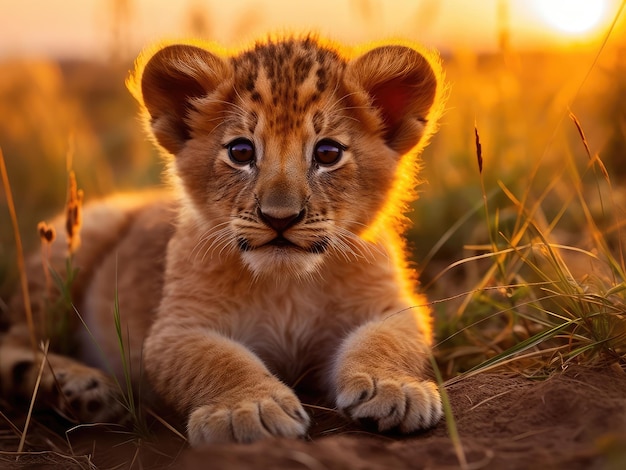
73	213
479	150
47	233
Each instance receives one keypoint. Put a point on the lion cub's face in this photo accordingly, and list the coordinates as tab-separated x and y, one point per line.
286	152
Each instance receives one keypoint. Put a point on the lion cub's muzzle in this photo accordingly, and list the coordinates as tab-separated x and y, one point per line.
281	205
280	224
282	210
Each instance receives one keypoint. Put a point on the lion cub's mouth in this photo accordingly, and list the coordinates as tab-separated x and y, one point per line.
277	242
317	248
284	243
281	242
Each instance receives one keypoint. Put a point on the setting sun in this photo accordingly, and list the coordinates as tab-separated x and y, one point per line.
572	16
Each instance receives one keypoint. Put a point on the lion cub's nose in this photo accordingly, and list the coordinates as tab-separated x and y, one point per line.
280	224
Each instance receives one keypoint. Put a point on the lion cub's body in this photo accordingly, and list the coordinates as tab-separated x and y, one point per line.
277	258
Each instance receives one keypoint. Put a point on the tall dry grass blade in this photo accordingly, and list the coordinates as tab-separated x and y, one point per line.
594	161
20	253
450	421
618	265
585	142
538	163
605	40
13	427
492	241
44	359
581	133
167	425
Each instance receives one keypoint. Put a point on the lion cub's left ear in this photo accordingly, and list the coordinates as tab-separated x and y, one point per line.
169	82
402	85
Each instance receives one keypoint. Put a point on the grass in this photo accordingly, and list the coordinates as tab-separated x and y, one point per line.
42	366
554	314
545	277
560	313
535	294
19	251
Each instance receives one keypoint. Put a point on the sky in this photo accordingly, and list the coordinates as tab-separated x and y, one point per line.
92	28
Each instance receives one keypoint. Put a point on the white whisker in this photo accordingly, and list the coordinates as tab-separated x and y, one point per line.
359	247
223	239
205	238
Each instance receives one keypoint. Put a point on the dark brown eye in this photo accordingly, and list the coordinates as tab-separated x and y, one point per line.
328	152
241	151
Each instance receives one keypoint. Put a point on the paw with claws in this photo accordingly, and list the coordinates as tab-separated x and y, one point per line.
86	394
393	402
270	410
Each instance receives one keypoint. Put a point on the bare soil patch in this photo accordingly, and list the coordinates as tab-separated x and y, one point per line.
574	420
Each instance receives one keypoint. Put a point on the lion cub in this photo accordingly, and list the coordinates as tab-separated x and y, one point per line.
278	258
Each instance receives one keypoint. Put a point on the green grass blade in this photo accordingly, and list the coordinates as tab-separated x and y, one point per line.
522	346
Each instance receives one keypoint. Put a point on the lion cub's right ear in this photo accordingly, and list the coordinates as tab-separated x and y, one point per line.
169	82
403	86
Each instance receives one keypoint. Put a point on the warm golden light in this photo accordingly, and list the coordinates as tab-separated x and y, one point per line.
572	16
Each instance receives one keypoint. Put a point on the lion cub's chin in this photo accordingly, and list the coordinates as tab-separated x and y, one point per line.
277	261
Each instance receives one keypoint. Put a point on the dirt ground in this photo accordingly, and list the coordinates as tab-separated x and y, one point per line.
573	420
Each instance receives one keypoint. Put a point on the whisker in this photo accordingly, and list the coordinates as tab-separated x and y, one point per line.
353	246
366	249
223	239
207	236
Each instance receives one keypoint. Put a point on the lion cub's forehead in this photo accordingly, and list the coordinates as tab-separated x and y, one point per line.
289	76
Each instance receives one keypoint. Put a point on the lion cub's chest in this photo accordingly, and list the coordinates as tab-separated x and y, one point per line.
292	331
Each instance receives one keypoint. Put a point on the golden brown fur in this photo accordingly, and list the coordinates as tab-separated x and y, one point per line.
283	263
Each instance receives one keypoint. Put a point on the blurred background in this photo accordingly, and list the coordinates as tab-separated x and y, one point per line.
516	70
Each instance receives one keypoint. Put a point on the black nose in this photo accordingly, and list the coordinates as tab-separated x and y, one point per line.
280	224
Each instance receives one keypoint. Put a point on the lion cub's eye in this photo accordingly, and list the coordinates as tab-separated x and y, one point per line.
241	151
328	152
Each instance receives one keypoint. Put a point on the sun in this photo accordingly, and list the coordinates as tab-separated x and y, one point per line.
571	16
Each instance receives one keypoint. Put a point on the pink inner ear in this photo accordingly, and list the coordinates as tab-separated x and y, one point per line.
393	99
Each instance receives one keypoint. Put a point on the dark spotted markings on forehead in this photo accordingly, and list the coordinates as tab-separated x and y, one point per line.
287	65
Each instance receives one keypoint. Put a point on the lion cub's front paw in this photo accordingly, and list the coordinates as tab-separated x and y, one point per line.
272	410
88	395
407	403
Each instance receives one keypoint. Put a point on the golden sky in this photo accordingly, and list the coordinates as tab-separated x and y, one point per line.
87	28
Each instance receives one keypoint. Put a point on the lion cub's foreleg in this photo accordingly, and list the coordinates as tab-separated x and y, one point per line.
227	391
380	374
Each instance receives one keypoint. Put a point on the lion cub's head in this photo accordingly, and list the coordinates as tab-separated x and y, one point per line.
289	151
